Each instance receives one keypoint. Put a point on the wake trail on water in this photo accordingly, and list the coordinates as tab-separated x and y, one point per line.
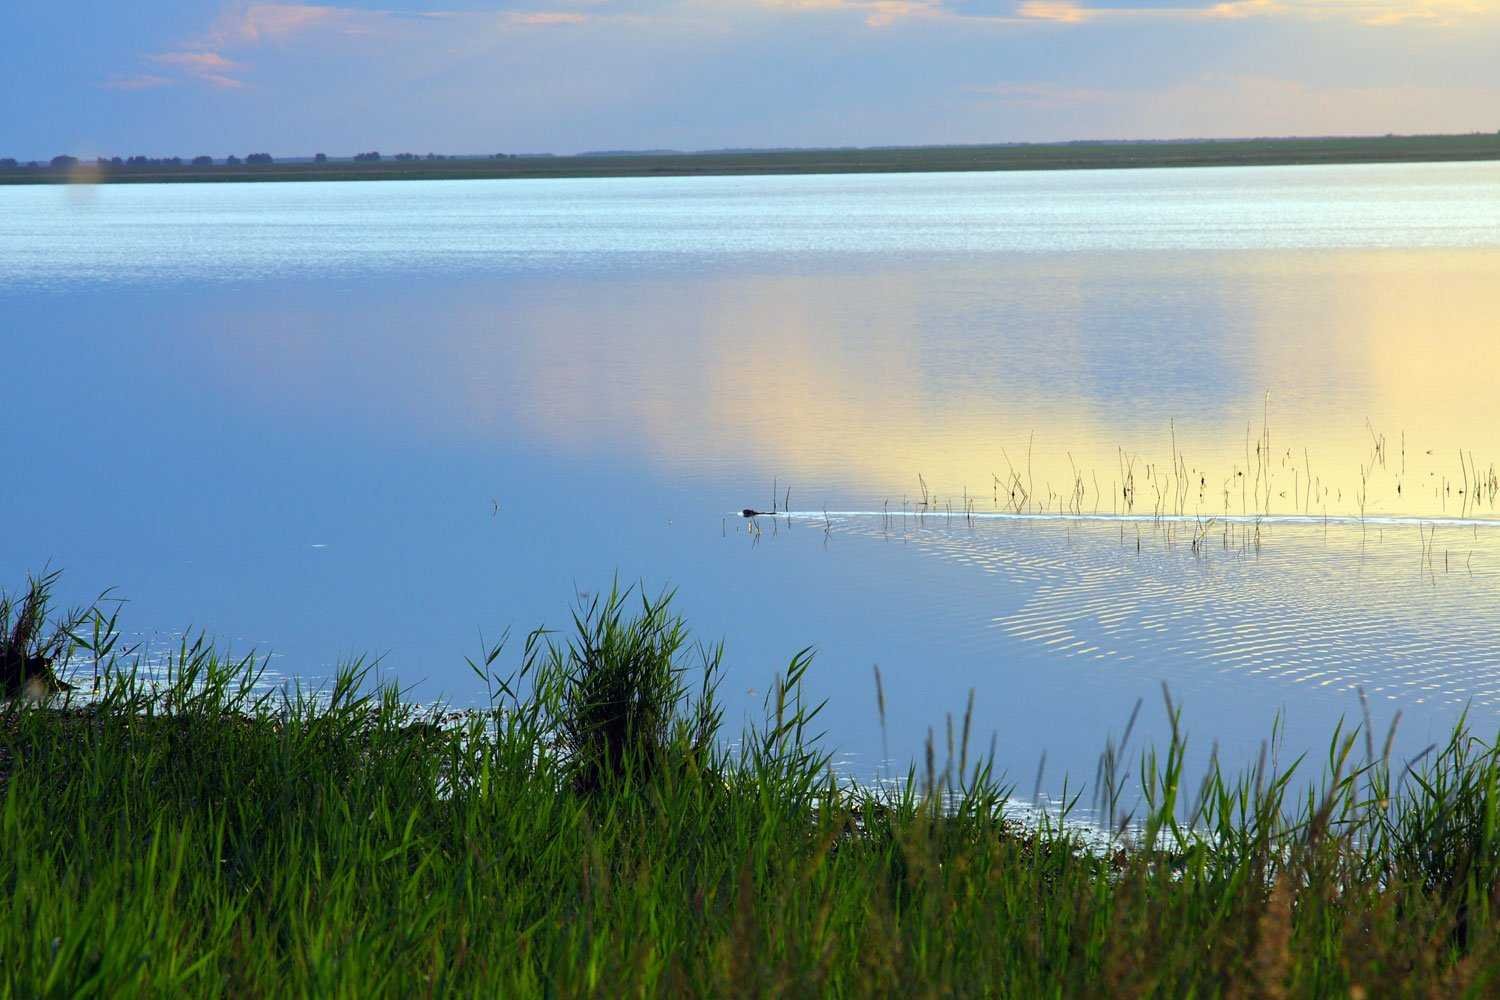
1369	520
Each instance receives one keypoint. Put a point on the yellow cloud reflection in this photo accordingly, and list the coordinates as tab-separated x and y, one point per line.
1365	377
1240	383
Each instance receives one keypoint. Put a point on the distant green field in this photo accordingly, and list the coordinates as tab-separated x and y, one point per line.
1058	156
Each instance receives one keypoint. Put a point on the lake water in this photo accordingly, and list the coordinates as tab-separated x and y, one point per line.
1242	424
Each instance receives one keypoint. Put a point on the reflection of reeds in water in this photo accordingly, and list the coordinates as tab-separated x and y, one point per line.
1270	482
1185	503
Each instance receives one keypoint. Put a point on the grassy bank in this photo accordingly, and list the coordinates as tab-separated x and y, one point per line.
906	159
598	832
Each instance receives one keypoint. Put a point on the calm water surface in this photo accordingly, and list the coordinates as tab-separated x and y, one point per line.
287	414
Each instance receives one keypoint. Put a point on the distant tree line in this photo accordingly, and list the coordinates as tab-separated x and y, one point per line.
374	156
66	162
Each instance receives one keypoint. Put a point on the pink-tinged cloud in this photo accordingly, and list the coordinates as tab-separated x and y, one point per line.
196	62
212	68
887	12
546	17
272	21
222	82
1235	10
1060	11
139	81
1369	12
878	13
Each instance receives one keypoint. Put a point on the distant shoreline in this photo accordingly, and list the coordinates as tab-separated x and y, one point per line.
924	159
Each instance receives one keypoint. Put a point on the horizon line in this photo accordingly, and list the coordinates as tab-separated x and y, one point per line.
42	162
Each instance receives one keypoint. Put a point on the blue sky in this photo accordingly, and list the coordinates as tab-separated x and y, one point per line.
187	77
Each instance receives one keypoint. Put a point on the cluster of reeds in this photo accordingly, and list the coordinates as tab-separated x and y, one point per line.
30	646
595	832
1269	483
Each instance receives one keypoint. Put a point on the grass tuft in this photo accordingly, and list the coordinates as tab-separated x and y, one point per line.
29	650
593	833
616	697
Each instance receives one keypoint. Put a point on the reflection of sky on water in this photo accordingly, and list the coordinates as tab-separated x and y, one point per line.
853	382
225	233
307	463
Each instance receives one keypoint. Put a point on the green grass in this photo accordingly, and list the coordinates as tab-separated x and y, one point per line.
29	646
598	833
892	159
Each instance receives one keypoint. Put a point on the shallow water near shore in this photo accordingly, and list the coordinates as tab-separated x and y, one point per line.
1256	407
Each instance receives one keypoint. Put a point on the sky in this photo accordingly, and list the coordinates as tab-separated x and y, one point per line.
214	77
